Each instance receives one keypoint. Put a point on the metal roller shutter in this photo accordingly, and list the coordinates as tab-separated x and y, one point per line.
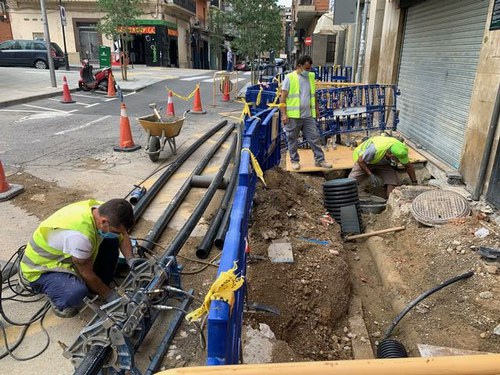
441	45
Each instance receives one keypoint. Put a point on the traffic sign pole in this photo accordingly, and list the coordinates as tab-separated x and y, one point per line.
62	13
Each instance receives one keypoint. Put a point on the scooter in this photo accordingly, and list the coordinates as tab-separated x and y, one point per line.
90	81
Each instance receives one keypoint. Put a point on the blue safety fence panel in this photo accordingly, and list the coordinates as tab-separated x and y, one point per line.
361	108
336	73
261	136
267	92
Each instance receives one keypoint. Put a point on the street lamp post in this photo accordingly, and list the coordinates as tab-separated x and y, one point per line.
62	12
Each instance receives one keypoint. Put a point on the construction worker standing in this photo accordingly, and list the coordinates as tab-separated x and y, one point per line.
76	249
373	157
298	93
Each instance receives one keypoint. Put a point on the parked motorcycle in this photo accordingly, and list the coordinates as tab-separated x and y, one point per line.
90	81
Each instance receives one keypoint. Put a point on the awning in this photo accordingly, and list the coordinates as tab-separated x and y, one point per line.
325	25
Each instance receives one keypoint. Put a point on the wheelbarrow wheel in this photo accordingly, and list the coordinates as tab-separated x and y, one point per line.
154	148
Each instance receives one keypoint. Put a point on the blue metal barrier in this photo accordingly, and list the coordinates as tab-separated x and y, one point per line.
267	96
357	109
261	136
335	73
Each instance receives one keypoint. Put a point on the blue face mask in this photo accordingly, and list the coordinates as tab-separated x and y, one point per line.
304	73
108	235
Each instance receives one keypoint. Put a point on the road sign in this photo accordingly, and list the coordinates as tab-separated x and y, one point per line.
308	41
62	12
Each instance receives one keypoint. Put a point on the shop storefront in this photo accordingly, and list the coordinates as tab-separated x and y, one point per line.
154	43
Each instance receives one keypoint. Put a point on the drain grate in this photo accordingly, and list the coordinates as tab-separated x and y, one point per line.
437	207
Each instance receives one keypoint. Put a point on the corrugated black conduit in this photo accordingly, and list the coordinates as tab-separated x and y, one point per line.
390	348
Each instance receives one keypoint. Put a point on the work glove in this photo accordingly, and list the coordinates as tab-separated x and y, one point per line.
112	296
375	180
135	262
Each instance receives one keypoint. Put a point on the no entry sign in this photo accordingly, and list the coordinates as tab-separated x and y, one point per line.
308	41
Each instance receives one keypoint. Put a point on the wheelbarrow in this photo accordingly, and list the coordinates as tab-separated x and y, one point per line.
161	131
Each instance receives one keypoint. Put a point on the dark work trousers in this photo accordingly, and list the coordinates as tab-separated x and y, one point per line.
68	290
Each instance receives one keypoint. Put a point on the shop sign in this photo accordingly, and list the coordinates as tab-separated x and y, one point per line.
172	32
138	29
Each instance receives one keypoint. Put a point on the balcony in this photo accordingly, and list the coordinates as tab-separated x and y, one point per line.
305	12
181	8
214	3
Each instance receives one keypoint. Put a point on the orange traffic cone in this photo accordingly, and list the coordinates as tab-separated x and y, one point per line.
126	141
197	108
111	86
225	95
7	190
170	104
66	94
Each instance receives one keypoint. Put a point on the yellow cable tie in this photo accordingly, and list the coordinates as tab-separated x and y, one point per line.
221	290
255	165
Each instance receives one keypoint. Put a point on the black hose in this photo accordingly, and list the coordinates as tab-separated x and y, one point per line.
208	241
179	240
158	184
420	298
221	233
176	201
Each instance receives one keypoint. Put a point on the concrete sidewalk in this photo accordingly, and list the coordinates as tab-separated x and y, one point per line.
21	85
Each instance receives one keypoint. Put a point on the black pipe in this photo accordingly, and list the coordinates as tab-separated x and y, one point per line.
487	148
176	201
208	241
177	319
389	348
423	296
204	182
179	240
158	184
93	361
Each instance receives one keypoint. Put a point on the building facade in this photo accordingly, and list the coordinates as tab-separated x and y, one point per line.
161	36
444	56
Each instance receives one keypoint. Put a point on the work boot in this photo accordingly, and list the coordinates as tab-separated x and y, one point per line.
323	164
295	165
68	312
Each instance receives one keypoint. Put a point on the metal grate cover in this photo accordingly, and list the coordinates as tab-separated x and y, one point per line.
437	207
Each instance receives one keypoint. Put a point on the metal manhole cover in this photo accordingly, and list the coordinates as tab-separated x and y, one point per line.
437	207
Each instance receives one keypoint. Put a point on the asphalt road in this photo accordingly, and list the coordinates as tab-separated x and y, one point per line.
44	130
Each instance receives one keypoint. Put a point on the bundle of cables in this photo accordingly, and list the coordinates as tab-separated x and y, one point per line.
12	294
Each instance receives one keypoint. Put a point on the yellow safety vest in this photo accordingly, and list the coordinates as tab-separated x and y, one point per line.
381	143
293	98
39	257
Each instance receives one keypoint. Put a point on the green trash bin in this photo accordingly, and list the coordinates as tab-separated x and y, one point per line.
104	56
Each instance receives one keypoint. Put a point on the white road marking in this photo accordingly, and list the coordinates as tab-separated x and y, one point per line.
83	126
247	73
108	100
43	116
218	79
194	78
21	110
130	93
47	109
92	105
57	100
84	96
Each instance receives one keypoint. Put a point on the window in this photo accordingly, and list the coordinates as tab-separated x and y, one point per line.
39	46
7	45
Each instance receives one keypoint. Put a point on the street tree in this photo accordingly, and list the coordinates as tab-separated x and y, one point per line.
115	24
217	24
256	28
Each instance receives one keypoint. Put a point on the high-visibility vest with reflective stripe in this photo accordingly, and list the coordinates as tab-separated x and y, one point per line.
39	257
381	143
293	98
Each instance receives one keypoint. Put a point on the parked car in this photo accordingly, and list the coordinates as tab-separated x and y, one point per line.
29	53
243	66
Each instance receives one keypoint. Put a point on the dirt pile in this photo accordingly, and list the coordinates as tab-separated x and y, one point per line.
312	293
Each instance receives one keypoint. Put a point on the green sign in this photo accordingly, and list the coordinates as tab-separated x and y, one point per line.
104	56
